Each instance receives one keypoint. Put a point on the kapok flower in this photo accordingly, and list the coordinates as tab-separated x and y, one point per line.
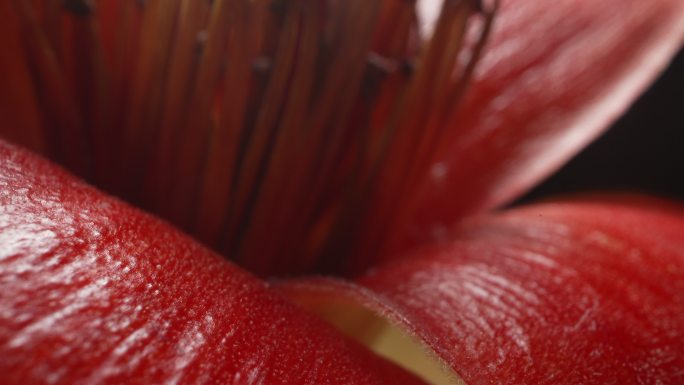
328	136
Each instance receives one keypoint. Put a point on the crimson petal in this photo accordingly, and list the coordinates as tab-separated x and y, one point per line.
93	291
583	292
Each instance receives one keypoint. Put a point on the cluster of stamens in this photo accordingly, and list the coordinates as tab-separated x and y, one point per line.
285	133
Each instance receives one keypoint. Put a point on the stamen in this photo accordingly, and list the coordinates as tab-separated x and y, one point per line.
216	191
82	8
91	83
408	67
52	26
190	155
19	108
279	6
424	159
384	64
258	151
261	64
123	56
277	176
477	6
56	100
145	101
407	162
286	133
193	16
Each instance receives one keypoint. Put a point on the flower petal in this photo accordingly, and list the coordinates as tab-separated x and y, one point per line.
571	292
93	291
551	79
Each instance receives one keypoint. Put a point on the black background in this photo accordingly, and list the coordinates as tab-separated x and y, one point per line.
642	152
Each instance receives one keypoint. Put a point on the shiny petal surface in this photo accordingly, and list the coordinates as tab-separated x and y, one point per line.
558	293
552	77
93	291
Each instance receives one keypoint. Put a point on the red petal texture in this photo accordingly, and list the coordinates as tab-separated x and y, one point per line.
93	291
558	293
552	77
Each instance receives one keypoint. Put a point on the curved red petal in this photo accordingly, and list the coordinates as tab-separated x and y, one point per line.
570	293
552	77
93	291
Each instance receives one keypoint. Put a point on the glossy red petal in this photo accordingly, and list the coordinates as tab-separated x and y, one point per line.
558	293
93	291
552	77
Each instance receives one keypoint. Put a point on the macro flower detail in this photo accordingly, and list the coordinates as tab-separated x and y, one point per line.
96	292
364	140
586	291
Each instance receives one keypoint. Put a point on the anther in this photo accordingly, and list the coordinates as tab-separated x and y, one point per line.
83	8
408	66
201	40
278	6
478	5
382	63
261	64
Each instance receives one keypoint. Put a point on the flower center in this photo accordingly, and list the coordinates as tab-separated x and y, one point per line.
286	134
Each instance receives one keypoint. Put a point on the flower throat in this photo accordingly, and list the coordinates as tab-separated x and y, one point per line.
288	135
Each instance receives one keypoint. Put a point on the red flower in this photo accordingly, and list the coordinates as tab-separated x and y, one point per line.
341	137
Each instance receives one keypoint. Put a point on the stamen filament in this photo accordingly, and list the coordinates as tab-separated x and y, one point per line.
288	134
